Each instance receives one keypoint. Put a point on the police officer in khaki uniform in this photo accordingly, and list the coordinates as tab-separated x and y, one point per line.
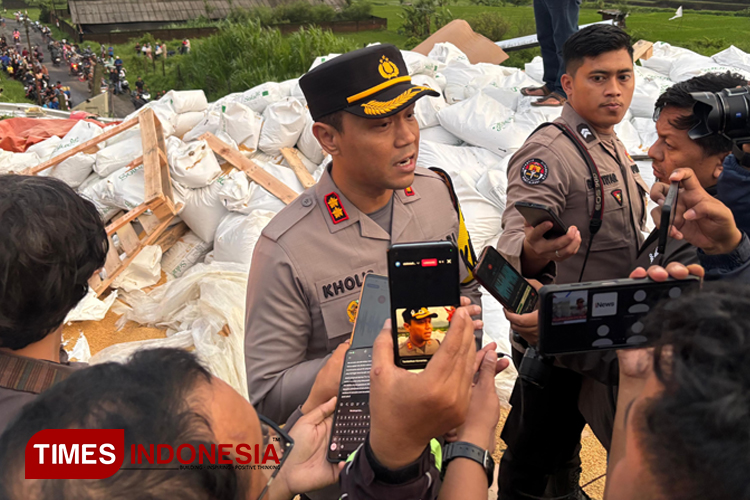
608	200
308	266
418	323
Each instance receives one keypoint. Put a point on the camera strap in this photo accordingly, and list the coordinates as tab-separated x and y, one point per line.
596	179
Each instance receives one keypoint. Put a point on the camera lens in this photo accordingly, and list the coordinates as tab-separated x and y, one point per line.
724	112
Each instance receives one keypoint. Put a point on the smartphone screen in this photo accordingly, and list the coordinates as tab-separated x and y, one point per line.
582	317
351	420
504	283
373	309
424	288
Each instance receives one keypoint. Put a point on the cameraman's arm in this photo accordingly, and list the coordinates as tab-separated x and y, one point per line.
708	224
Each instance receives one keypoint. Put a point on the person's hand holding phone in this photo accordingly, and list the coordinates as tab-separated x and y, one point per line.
539	251
484	405
326	385
306	468
526	325
699	218
408	409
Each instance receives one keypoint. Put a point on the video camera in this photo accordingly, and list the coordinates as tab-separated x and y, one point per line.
724	113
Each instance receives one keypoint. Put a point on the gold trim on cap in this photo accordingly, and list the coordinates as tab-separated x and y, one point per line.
378	88
381	108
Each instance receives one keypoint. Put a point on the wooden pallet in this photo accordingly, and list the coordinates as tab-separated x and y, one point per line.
144	224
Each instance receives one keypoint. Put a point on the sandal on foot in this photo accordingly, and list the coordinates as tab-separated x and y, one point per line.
536	91
552	100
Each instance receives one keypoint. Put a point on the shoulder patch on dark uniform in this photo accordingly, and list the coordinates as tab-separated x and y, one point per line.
335	209
585	132
534	171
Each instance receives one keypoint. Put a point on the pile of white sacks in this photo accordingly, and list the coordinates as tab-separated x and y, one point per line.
470	131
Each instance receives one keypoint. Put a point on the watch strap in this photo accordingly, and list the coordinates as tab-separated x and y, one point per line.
462	449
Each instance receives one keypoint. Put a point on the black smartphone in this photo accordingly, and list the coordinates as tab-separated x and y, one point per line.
351	418
536	213
424	286
504	283
602	315
667	218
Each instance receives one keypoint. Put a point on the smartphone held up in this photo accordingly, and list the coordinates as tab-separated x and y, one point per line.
424	290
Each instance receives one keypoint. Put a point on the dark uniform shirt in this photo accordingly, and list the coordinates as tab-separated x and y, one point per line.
12	400
548	169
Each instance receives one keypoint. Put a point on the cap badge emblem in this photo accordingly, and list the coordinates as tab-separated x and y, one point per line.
387	69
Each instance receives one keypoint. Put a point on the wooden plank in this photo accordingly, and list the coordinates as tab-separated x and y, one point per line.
643	49
291	157
138	161
148	241
253	171
151	163
128	217
171	236
149	222
82	147
128	239
113	259
166	179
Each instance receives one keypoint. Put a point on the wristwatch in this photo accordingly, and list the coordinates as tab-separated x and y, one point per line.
462	449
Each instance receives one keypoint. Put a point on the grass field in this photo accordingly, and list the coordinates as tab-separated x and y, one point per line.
12	91
705	33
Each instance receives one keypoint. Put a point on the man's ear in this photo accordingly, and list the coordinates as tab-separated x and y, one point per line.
328	137
718	167
567	84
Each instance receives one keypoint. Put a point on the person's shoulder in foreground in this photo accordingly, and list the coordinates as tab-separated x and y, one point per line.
53	242
166	397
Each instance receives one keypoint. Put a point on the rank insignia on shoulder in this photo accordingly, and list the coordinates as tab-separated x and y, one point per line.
409	191
630	158
617	195
586	132
337	212
351	310
534	171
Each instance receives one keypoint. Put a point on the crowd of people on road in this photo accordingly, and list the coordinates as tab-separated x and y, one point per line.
25	63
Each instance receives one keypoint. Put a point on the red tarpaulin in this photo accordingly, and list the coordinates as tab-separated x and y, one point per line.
17	134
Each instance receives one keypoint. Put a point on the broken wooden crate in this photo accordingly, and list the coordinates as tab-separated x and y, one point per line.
144	224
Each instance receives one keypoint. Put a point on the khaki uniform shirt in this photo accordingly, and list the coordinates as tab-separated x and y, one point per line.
548	169
557	176
409	349
307	270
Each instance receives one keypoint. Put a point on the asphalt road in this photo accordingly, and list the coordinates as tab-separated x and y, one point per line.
78	90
